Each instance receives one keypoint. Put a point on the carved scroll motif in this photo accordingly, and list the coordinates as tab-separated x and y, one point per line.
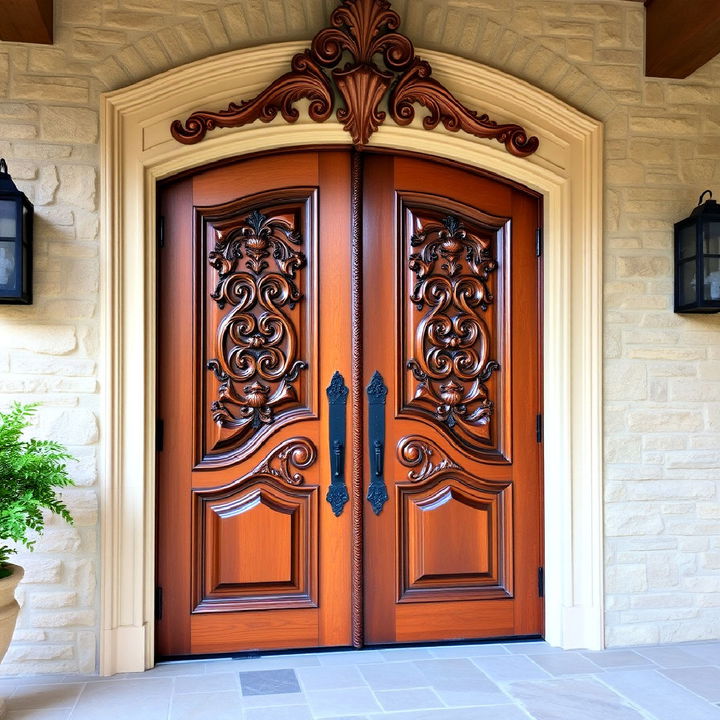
362	30
257	261
451	363
296	452
417	452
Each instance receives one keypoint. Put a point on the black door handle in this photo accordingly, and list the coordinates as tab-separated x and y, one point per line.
337	494
376	392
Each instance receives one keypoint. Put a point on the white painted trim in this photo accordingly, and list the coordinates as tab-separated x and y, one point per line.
137	150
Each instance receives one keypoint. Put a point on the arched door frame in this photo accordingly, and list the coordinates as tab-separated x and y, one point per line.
138	150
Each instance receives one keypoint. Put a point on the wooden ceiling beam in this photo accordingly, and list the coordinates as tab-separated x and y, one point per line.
681	36
28	21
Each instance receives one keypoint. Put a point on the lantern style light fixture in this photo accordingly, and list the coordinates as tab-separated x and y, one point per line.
697	259
16	233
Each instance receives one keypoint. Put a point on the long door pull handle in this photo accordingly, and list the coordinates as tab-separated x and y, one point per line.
376	392
337	494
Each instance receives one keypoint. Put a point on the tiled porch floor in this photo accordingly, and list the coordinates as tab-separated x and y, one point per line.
514	681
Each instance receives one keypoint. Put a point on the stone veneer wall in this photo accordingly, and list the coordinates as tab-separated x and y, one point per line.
662	375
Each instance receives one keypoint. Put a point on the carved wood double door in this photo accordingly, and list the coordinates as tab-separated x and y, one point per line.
349	388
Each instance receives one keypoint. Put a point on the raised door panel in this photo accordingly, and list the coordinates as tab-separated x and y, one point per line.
453	253
255	540
454	530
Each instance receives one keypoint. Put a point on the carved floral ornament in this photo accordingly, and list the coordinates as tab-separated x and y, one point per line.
360	30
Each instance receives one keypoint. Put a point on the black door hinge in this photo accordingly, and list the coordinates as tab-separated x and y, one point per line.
158	603
161	231
159	435
541	582
539	428
538	242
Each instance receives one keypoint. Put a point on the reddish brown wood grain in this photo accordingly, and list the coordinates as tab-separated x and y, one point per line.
27	21
680	36
492	589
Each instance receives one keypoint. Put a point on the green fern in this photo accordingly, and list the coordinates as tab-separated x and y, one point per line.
30	470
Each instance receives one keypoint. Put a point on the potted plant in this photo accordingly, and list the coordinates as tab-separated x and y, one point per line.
30	470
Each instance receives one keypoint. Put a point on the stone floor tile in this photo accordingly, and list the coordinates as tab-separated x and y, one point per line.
216	682
531	647
704	681
291	712
48	696
406	653
274	662
509	668
470	650
393	675
617	658
328	703
269	682
708	652
208	706
652	691
410	699
493	712
124	699
567	663
457	681
351	657
572	699
38	715
278	700
668	656
328	677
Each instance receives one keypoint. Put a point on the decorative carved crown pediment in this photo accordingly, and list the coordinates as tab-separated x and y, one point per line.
360	31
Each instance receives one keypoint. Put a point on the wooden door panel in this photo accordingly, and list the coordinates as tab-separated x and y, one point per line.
260	320
453	301
455	539
454	621
253	325
460	360
256	540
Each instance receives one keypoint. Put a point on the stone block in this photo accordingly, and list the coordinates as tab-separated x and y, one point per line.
41	570
69	124
625	579
53	600
17	131
655	421
47	339
635	634
64	618
77	186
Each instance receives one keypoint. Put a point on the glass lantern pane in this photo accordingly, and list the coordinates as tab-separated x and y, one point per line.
712	279
688	241
688	284
8	218
711	238
7	266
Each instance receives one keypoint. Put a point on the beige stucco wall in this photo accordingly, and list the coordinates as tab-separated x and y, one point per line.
662	384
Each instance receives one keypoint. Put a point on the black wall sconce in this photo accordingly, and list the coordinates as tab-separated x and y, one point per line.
697	259
16	235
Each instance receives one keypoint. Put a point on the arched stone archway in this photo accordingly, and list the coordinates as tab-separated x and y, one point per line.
138	150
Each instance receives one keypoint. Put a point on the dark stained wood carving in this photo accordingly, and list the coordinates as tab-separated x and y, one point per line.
451	355
255	538
425	456
257	260
362	30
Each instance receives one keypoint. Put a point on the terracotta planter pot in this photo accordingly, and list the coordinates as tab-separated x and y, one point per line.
9	607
